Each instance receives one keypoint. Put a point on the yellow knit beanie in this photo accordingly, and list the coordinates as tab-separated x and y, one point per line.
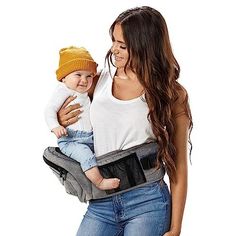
74	58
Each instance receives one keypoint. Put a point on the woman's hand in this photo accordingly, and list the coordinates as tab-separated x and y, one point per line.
68	115
172	233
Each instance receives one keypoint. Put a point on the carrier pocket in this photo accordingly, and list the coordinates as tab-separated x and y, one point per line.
57	170
127	169
70	183
149	162
72	186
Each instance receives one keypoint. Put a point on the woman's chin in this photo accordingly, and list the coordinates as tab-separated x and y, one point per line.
119	64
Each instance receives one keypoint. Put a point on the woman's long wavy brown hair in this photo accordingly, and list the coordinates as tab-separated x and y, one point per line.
151	58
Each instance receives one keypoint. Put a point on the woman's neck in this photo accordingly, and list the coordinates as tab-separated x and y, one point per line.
128	75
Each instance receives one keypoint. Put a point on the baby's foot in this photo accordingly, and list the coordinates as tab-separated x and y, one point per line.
106	184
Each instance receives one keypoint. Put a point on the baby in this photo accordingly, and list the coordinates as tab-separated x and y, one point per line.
75	73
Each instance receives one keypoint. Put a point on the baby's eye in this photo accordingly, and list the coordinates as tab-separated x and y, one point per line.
78	74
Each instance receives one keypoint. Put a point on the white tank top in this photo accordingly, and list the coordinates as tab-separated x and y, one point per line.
117	124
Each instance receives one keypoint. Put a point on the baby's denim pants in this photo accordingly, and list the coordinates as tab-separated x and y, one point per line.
79	146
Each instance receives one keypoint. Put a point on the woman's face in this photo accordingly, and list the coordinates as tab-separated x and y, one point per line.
119	49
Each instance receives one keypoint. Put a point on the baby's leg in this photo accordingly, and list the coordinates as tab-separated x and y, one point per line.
96	178
83	154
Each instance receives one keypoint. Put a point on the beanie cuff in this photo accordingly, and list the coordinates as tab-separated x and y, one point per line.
74	65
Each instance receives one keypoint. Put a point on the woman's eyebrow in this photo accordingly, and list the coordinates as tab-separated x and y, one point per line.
119	41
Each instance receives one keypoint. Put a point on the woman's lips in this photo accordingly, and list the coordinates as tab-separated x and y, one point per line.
118	58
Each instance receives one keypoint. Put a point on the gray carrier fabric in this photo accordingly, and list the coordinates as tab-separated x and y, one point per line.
135	167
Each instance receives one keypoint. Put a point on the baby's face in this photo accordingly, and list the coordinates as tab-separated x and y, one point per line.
79	81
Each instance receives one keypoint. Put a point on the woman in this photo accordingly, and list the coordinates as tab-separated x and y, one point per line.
140	101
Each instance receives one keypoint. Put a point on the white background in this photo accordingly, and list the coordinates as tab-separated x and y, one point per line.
203	38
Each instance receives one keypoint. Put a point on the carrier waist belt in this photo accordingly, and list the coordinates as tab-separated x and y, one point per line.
135	167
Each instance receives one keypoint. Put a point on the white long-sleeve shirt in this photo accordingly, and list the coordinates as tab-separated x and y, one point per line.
59	96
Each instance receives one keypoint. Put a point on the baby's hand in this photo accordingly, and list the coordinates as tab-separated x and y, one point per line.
59	131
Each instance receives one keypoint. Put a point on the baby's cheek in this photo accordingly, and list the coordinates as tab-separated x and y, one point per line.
90	81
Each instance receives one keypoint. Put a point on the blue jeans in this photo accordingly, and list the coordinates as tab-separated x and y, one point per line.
79	146
144	211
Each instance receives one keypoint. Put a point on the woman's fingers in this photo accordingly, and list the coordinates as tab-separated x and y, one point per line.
72	108
69	121
68	115
72	120
67	101
66	118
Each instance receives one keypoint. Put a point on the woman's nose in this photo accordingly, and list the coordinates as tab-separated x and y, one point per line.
114	49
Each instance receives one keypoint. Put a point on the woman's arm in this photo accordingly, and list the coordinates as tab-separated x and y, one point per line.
179	187
68	115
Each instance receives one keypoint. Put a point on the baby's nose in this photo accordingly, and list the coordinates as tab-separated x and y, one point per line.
83	80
